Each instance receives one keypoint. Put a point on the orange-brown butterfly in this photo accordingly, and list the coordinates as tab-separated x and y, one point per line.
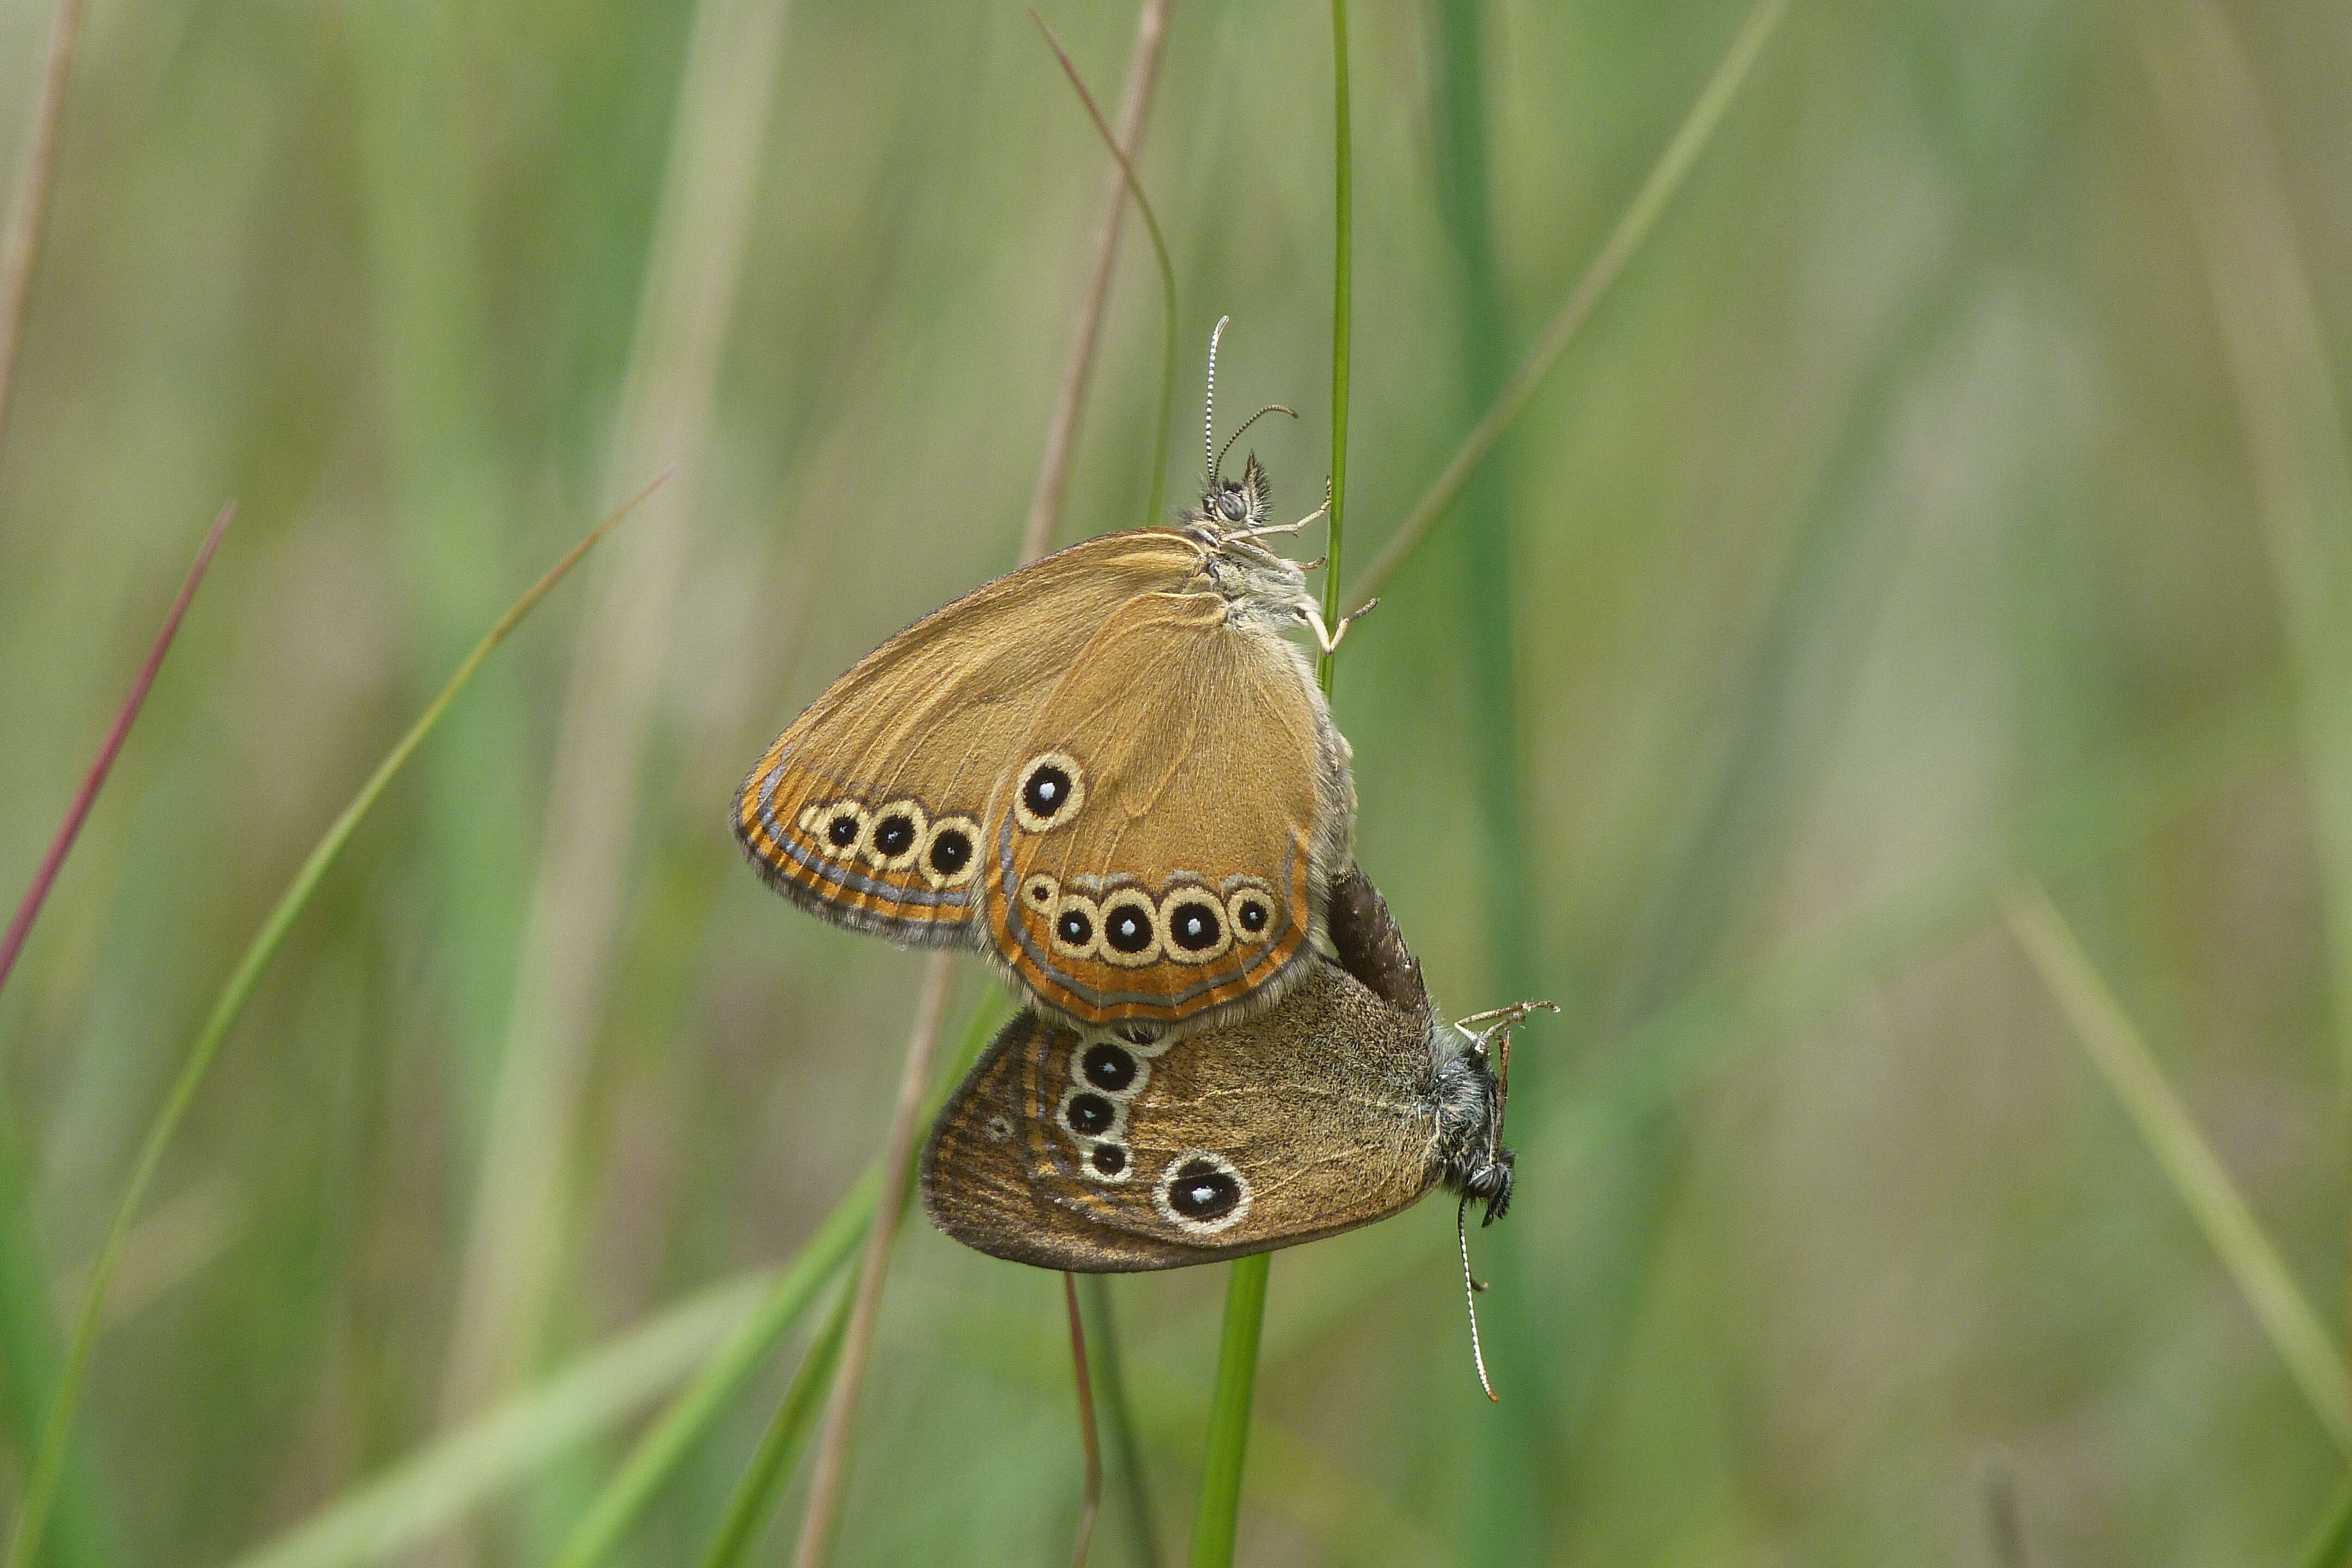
1110	771
1121	1149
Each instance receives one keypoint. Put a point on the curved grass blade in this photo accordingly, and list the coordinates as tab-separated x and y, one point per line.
755	1495
1689	139
2331	1542
23	245
2121	1057
657	1453
21	924
1167	279
40	1485
409	1504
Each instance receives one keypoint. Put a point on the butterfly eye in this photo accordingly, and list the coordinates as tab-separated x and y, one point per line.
1052	790
1232	507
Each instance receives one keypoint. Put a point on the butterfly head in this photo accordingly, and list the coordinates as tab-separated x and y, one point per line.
1473	1078
1235	506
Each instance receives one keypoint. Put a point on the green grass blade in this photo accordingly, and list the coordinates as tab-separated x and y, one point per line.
2164	1123
1117	1416
658	1454
2331	1542
1219	1515
755	1495
423	1495
1343	285
1665	178
41	1483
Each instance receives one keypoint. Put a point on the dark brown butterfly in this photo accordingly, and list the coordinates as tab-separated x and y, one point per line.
1125	1148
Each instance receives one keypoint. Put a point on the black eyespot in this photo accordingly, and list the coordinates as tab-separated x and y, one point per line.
950	852
1253	915
1108	1067
894	834
842	831
1128	929
1047	789
1138	1034
1109	1159
1090	1114
1074	928
1195	927
1202	1192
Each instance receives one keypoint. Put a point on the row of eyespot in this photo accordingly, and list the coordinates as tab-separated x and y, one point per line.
1198	1191
896	837
1190	924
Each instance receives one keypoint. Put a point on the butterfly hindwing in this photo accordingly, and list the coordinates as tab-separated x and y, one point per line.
1162	846
1125	1148
868	810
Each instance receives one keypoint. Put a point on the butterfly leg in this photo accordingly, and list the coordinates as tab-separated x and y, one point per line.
1326	637
1318	515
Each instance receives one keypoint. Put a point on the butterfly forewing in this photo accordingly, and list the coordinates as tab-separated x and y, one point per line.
1159	851
869	809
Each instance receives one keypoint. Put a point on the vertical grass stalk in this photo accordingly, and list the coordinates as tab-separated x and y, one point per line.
1089	1436
755	1494
40	1485
22	246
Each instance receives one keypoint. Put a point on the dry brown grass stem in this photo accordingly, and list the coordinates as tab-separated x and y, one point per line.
1090	1502
32	203
823	1514
1061	436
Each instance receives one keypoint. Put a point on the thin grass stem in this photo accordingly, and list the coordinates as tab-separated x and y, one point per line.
1217	1516
1674	164
40	1485
1061	434
1102	1337
755	1495
20	925
1039	535
2121	1057
21	247
823	1515
1089	1439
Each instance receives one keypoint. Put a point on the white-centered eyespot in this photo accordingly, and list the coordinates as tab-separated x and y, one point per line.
1249	909
950	854
1050	790
1202	1194
1109	1067
1196	927
1076	925
1088	1114
1130	928
895	841
838	828
1108	1162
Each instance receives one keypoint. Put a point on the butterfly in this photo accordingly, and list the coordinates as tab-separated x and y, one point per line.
1111	770
1112	1149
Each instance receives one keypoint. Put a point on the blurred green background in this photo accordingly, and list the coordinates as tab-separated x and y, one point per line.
1951	491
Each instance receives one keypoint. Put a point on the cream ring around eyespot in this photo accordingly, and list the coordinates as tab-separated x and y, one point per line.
1039	891
1092	1161
817	822
940	843
902	821
1101	1120
1043	803
1177	928
1146	915
1110	1067
1074	926
1202	1171
1250	898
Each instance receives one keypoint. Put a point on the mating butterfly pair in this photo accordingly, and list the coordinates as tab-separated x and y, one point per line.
1113	774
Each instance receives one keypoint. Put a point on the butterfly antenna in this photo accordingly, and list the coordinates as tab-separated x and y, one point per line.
1218	462
1470	1288
1208	415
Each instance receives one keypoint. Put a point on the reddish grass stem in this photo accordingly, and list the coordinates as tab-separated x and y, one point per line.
20	925
1091	1503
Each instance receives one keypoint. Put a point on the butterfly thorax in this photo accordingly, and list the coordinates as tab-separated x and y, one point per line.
1468	1098
1260	585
